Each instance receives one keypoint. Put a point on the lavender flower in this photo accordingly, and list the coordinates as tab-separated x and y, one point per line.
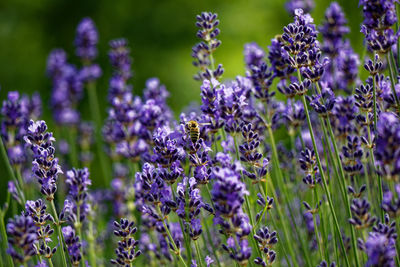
37	211
293	115
323	103
207	23
380	250
352	154
276	57
126	251
16	112
333	30
379	17
78	182
250	155
387	148
120	59
308	164
253	55
67	88
361	215
266	240
343	69
22	234
228	196
299	41
153	197
189	203
86	40
344	112
391	203
73	245
45	165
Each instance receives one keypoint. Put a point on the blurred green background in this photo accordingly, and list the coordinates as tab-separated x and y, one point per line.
161	35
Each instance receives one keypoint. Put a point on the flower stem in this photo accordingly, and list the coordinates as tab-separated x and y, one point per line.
315	197
186	239
78	227
10	171
59	233
176	250
199	257
371	151
95	110
392	81
4	237
343	178
275	161
327	193
91	238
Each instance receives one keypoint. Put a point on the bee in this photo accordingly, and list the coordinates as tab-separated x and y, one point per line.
193	130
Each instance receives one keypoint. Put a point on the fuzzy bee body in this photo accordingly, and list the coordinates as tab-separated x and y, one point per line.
193	130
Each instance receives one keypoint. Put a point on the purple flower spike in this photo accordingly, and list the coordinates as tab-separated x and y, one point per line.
45	165
78	182
22	234
379	17
37	211
73	245
120	59
381	250
126	251
387	144
266	240
207	23
86	40
253	55
16	112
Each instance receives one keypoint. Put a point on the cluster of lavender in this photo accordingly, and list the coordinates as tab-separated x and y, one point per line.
297	163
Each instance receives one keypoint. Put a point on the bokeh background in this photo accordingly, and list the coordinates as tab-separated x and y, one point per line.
161	34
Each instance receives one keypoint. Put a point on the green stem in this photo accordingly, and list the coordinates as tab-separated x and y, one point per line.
4	238
91	238
95	110
186	239
393	82
339	162
327	193
10	171
176	250
275	161
199	257
395	70
315	197
253	230
372	156
59	233
282	244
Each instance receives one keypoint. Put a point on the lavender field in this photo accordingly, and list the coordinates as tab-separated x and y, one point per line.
294	163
